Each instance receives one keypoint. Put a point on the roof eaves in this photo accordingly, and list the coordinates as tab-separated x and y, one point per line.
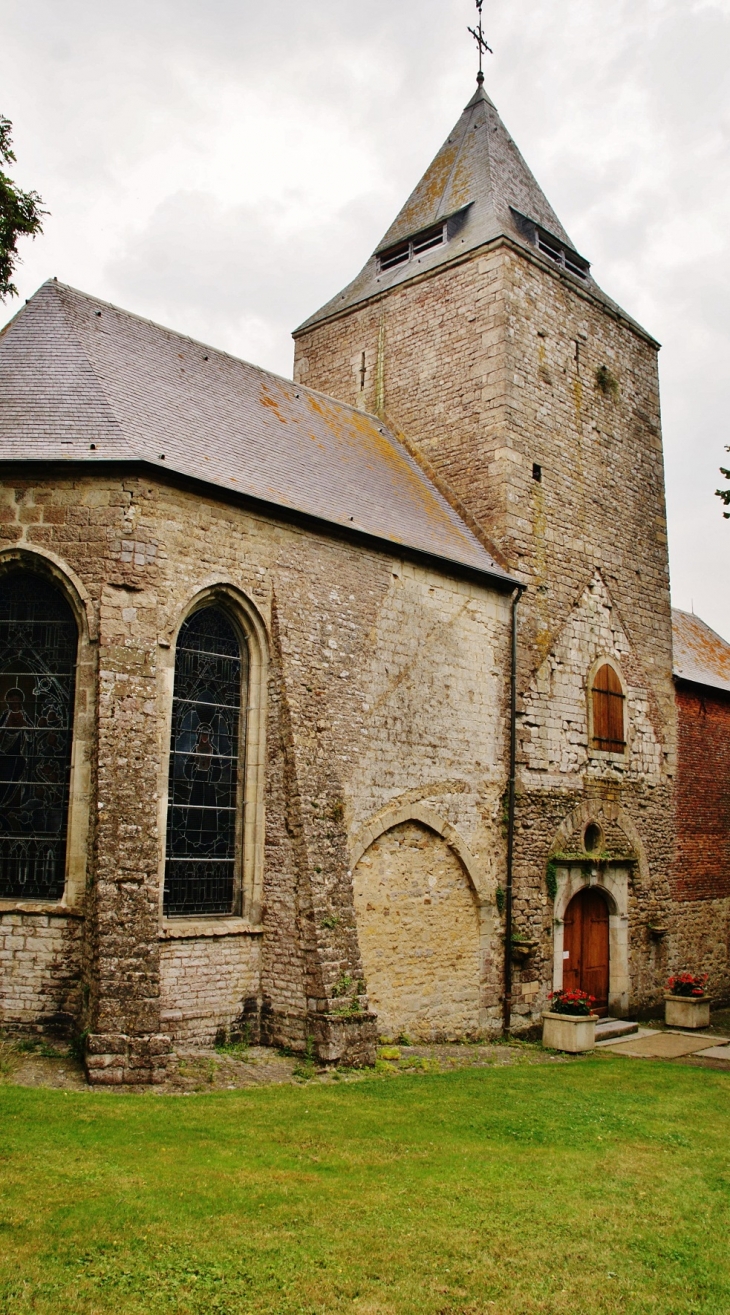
706	682
494	573
589	289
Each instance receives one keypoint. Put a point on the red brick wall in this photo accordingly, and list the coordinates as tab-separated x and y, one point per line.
703	795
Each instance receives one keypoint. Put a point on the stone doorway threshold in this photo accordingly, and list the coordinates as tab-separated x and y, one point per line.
650	1043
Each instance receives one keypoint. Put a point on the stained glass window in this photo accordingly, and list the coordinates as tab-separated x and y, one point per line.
211	673
38	642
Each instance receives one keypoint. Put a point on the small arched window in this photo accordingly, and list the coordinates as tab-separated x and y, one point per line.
607	697
38	644
205	780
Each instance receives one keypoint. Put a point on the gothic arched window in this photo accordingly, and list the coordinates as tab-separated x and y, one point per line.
607	697
205	781
38	644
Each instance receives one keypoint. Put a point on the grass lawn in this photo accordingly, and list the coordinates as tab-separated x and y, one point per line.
601	1185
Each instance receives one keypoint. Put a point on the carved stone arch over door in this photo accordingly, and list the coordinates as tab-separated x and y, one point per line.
606	869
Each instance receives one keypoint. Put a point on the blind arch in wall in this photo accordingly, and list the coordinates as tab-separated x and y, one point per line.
608	698
38	649
203	852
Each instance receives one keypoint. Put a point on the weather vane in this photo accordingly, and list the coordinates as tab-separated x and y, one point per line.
478	35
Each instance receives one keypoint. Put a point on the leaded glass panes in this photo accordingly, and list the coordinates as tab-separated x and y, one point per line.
211	670
38	641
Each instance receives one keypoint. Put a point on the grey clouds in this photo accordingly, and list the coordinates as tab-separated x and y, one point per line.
225	168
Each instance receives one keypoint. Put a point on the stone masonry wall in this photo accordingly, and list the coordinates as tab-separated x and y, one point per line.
40	971
210	985
492	367
538	406
626	794
703	943
420	937
703	795
386	691
701	883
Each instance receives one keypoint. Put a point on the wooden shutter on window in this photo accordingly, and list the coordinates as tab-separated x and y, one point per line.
608	711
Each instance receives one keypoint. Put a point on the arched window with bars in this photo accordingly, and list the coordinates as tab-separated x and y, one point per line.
205	784
38	650
607	707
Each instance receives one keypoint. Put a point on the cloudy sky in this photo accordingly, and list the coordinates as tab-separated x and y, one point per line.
225	167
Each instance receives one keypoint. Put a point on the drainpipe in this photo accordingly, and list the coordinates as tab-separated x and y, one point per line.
507	1001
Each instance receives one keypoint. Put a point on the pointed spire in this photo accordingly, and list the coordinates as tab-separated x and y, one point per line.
479	185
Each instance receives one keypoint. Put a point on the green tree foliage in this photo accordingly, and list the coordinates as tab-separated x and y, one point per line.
725	493
20	212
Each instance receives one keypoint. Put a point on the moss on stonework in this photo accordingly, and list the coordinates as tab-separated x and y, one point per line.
583	858
604	856
551	879
607	383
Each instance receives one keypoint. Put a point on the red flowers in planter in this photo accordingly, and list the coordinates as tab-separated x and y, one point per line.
577	1003
687	984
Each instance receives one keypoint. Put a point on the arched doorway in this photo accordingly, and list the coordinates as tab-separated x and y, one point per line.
586	946
418	928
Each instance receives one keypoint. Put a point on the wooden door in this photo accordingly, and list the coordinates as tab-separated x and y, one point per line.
585	947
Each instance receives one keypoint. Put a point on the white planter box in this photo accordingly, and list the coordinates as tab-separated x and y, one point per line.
569	1032
686	1010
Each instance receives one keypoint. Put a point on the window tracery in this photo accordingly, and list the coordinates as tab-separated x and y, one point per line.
38	647
205	776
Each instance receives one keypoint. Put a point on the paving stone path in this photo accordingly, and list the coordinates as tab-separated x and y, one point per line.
709	1048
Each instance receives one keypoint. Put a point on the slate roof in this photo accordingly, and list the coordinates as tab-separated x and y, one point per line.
83	381
700	654
478	167
480	178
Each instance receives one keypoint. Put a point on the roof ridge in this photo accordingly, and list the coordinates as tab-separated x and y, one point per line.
466	115
694	617
165	328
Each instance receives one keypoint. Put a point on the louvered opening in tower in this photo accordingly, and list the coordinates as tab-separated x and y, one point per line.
551	246
422	242
402	252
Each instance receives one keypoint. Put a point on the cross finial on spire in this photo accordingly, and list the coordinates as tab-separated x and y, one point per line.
478	35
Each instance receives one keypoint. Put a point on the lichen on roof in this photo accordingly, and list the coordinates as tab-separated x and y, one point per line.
84	381
700	654
478	166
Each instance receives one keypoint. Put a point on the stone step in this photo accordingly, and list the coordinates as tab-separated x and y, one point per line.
612	1028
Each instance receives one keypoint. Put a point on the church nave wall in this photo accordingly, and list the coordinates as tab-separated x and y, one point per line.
425	952
210	985
40	971
386	680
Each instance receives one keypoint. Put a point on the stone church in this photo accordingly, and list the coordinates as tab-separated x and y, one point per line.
343	707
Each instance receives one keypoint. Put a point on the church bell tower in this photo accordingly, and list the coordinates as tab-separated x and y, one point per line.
478	330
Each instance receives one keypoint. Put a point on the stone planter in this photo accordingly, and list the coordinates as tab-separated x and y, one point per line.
570	1032
522	950
686	1010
